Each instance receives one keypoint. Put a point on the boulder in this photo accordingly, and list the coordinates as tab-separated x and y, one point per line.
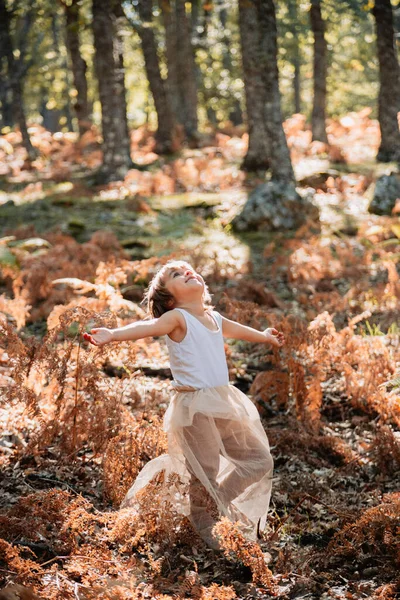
387	191
275	206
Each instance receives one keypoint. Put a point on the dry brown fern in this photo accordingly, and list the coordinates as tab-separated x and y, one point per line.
373	535
233	541
126	454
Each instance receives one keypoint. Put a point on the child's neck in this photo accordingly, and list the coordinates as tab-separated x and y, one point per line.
196	308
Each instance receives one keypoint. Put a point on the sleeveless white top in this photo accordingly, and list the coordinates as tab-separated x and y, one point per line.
199	360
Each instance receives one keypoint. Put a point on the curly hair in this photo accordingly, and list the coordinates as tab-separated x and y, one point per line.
158	299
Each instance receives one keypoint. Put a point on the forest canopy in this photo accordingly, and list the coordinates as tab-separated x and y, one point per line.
49	92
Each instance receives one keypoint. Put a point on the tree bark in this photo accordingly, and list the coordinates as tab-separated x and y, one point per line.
186	73
14	78
295	52
110	74
258	153
171	52
389	78
120	22
78	64
165	119
7	116
320	72
235	113
281	165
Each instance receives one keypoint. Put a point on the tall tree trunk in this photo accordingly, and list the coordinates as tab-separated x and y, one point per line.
235	113
320	71
258	153
7	116
165	118
171	52
295	52
186	73
78	64
21	118
120	22
14	78
110	75
389	77
281	165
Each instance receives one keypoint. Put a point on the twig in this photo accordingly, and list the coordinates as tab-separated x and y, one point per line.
34	476
281	524
75	556
76	393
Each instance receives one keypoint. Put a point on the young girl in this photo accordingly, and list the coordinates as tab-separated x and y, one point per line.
216	442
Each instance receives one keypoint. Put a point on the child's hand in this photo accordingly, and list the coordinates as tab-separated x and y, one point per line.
274	337
99	337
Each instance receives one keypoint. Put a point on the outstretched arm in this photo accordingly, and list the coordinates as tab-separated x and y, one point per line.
234	330
135	331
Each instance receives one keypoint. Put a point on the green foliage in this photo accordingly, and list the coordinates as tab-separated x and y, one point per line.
352	76
353	70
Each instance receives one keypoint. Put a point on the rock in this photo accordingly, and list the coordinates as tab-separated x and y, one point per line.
74	224
133	242
318	180
274	206
33	244
387	191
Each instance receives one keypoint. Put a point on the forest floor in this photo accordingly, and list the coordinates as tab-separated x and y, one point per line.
78	423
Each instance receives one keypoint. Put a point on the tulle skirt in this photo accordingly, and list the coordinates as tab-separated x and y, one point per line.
219	455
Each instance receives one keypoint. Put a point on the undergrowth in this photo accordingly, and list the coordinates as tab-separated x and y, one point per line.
325	398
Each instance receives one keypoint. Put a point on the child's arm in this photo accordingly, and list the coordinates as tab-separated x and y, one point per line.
135	331
234	330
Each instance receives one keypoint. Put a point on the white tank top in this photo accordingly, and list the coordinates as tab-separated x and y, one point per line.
199	360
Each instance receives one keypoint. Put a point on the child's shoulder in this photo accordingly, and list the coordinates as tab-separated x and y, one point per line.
175	315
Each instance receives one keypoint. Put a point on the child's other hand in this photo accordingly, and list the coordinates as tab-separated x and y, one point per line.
99	337
274	337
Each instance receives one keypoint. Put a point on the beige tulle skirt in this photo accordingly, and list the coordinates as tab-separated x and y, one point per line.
219	455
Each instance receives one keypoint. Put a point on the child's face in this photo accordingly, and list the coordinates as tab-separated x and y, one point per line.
184	283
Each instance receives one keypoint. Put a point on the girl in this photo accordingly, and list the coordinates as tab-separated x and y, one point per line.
216	443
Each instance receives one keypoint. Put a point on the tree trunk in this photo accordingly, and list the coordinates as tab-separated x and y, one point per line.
110	73
7	116
320	71
14	78
235	113
281	165
186	73
389	77
295	52
171	52
258	153
120	22
21	118
78	64
165	119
